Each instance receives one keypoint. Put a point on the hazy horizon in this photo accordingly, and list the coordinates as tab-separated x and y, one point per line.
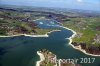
73	4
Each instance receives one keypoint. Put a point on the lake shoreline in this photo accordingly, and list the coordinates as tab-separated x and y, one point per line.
42	58
45	35
77	48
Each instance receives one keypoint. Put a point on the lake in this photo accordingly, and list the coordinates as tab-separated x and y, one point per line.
21	50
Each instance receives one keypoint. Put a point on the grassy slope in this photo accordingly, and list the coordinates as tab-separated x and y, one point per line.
86	26
24	25
16	23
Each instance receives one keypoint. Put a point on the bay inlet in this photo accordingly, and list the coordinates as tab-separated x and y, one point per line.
22	50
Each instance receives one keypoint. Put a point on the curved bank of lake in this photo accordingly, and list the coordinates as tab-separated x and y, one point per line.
22	51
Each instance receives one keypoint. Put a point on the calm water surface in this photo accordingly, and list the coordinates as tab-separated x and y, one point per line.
21	51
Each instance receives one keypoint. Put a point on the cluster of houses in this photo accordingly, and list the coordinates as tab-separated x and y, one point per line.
78	35
97	38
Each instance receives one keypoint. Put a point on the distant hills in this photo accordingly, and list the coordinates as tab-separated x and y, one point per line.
54	10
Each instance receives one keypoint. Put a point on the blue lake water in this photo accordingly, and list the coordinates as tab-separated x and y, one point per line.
47	23
21	50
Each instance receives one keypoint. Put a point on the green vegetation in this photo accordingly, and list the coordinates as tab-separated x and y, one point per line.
13	22
2	31
50	59
85	28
